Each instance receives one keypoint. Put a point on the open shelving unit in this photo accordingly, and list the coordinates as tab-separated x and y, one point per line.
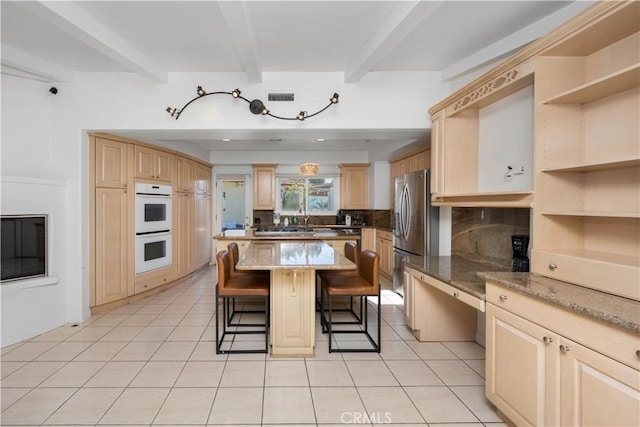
586	218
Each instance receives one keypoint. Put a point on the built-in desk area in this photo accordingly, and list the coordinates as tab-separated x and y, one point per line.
293	266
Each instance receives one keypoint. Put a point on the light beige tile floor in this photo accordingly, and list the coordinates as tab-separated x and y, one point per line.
153	362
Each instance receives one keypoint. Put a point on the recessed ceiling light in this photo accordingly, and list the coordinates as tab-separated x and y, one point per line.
225	140
320	139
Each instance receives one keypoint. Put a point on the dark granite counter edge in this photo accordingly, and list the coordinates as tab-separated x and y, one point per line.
458	272
612	309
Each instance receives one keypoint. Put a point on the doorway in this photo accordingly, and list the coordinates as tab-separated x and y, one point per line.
232	204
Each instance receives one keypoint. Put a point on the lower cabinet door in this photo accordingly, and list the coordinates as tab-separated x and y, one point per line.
111	243
597	390
292	312
521	369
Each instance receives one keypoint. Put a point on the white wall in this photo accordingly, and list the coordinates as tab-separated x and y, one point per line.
506	139
45	137
380	185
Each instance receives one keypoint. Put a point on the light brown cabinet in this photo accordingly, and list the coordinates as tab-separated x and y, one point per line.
586	224
185	175
596	390
153	164
183	238
521	376
115	165
203	179
111	255
111	163
202	231
384	248
264	186
292	325
368	239
354	186
541	372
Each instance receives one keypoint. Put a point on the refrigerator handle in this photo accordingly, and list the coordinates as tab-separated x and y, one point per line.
406	211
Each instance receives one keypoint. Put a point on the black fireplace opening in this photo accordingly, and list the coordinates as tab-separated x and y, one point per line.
23	248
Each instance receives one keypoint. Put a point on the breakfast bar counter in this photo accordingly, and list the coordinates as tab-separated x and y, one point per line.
293	266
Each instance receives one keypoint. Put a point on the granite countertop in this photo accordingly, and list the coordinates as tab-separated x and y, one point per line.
457	271
287	255
613	309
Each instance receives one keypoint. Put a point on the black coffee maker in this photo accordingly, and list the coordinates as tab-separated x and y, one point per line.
520	243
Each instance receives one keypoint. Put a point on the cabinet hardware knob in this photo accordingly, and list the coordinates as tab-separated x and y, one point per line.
456	294
503	297
547	340
638	353
564	348
552	267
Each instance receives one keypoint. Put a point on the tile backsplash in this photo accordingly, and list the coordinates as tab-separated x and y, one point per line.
485	233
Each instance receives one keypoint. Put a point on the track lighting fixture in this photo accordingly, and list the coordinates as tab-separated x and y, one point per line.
256	106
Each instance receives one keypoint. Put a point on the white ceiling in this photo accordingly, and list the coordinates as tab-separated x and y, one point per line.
52	40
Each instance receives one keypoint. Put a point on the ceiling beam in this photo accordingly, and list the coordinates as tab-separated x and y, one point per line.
23	64
505	47
403	20
239	24
75	21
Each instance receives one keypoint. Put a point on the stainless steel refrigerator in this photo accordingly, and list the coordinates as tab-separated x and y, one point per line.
415	221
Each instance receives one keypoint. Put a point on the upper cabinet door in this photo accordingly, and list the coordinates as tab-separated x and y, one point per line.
354	186
184	175
153	164
264	187
111	163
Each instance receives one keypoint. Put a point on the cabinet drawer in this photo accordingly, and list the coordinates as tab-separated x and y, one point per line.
147	281
606	339
587	270
456	293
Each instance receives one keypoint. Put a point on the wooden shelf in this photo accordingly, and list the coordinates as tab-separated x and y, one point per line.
513	199
595	166
612	84
594	214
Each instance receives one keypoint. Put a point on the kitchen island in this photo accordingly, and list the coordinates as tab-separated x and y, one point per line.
293	266
334	238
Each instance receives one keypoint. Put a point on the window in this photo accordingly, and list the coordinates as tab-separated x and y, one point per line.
308	196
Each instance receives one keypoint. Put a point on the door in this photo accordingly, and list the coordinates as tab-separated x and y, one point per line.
232	204
521	369
112	234
597	390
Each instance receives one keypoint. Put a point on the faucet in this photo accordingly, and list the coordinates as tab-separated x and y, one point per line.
306	219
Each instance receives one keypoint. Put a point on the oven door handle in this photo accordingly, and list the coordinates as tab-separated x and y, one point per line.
158	233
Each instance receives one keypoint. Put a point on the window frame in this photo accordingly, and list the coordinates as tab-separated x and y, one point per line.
336	195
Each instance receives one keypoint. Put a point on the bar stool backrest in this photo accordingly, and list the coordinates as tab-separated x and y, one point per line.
351	252
224	268
234	256
369	268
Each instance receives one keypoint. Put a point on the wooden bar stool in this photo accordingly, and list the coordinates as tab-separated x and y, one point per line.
234	256
364	285
239	287
352	253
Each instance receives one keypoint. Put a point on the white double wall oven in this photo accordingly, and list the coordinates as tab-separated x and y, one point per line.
153	226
